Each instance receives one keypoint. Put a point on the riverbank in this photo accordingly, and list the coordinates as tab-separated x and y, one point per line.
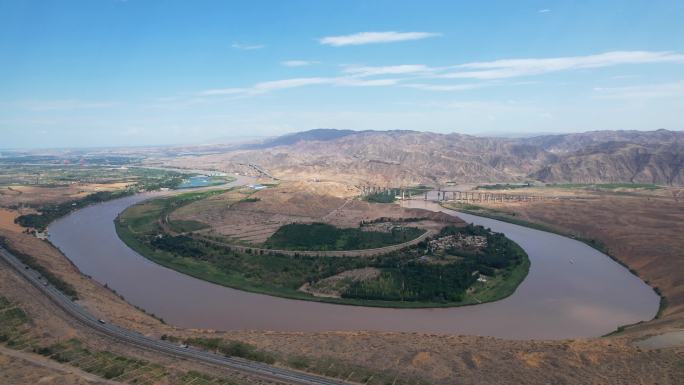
600	246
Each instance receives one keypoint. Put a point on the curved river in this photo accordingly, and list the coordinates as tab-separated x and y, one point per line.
572	290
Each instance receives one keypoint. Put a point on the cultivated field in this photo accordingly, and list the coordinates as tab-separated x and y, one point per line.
252	220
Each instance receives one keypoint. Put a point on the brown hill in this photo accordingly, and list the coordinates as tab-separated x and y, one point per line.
619	162
410	157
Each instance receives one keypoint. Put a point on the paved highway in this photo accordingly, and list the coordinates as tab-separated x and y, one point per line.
81	315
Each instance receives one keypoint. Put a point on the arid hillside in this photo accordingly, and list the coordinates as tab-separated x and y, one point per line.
409	157
614	162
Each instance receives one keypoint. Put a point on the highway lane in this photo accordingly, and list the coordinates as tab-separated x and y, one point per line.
82	316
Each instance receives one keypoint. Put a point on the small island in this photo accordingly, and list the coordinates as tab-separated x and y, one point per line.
295	242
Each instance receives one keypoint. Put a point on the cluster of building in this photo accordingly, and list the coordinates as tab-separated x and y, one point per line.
458	241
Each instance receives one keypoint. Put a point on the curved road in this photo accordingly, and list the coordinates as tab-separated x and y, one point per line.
82	316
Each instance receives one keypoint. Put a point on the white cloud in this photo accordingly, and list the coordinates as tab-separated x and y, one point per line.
651	91
223	91
508	68
355	82
418	76
275	85
545	10
247	47
444	87
387	70
298	63
264	87
374	37
287	83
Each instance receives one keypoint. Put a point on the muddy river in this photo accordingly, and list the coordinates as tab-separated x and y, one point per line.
572	290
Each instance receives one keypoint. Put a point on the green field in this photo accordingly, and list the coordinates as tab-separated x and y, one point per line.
50	212
59	175
503	186
321	236
382	197
404	281
46	176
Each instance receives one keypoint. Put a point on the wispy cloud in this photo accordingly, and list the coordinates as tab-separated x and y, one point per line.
275	85
287	83
428	78
355	82
545	10
374	37
247	47
298	63
264	87
444	87
403	69
650	91
508	68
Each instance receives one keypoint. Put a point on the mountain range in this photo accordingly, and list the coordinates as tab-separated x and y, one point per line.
412	157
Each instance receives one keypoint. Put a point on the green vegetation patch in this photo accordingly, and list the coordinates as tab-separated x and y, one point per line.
141	179
446	276
49	213
61	175
144	217
503	186
382	197
196	378
14	324
228	348
321	236
105	364
416	276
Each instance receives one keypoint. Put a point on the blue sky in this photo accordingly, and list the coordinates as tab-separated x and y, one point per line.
140	72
